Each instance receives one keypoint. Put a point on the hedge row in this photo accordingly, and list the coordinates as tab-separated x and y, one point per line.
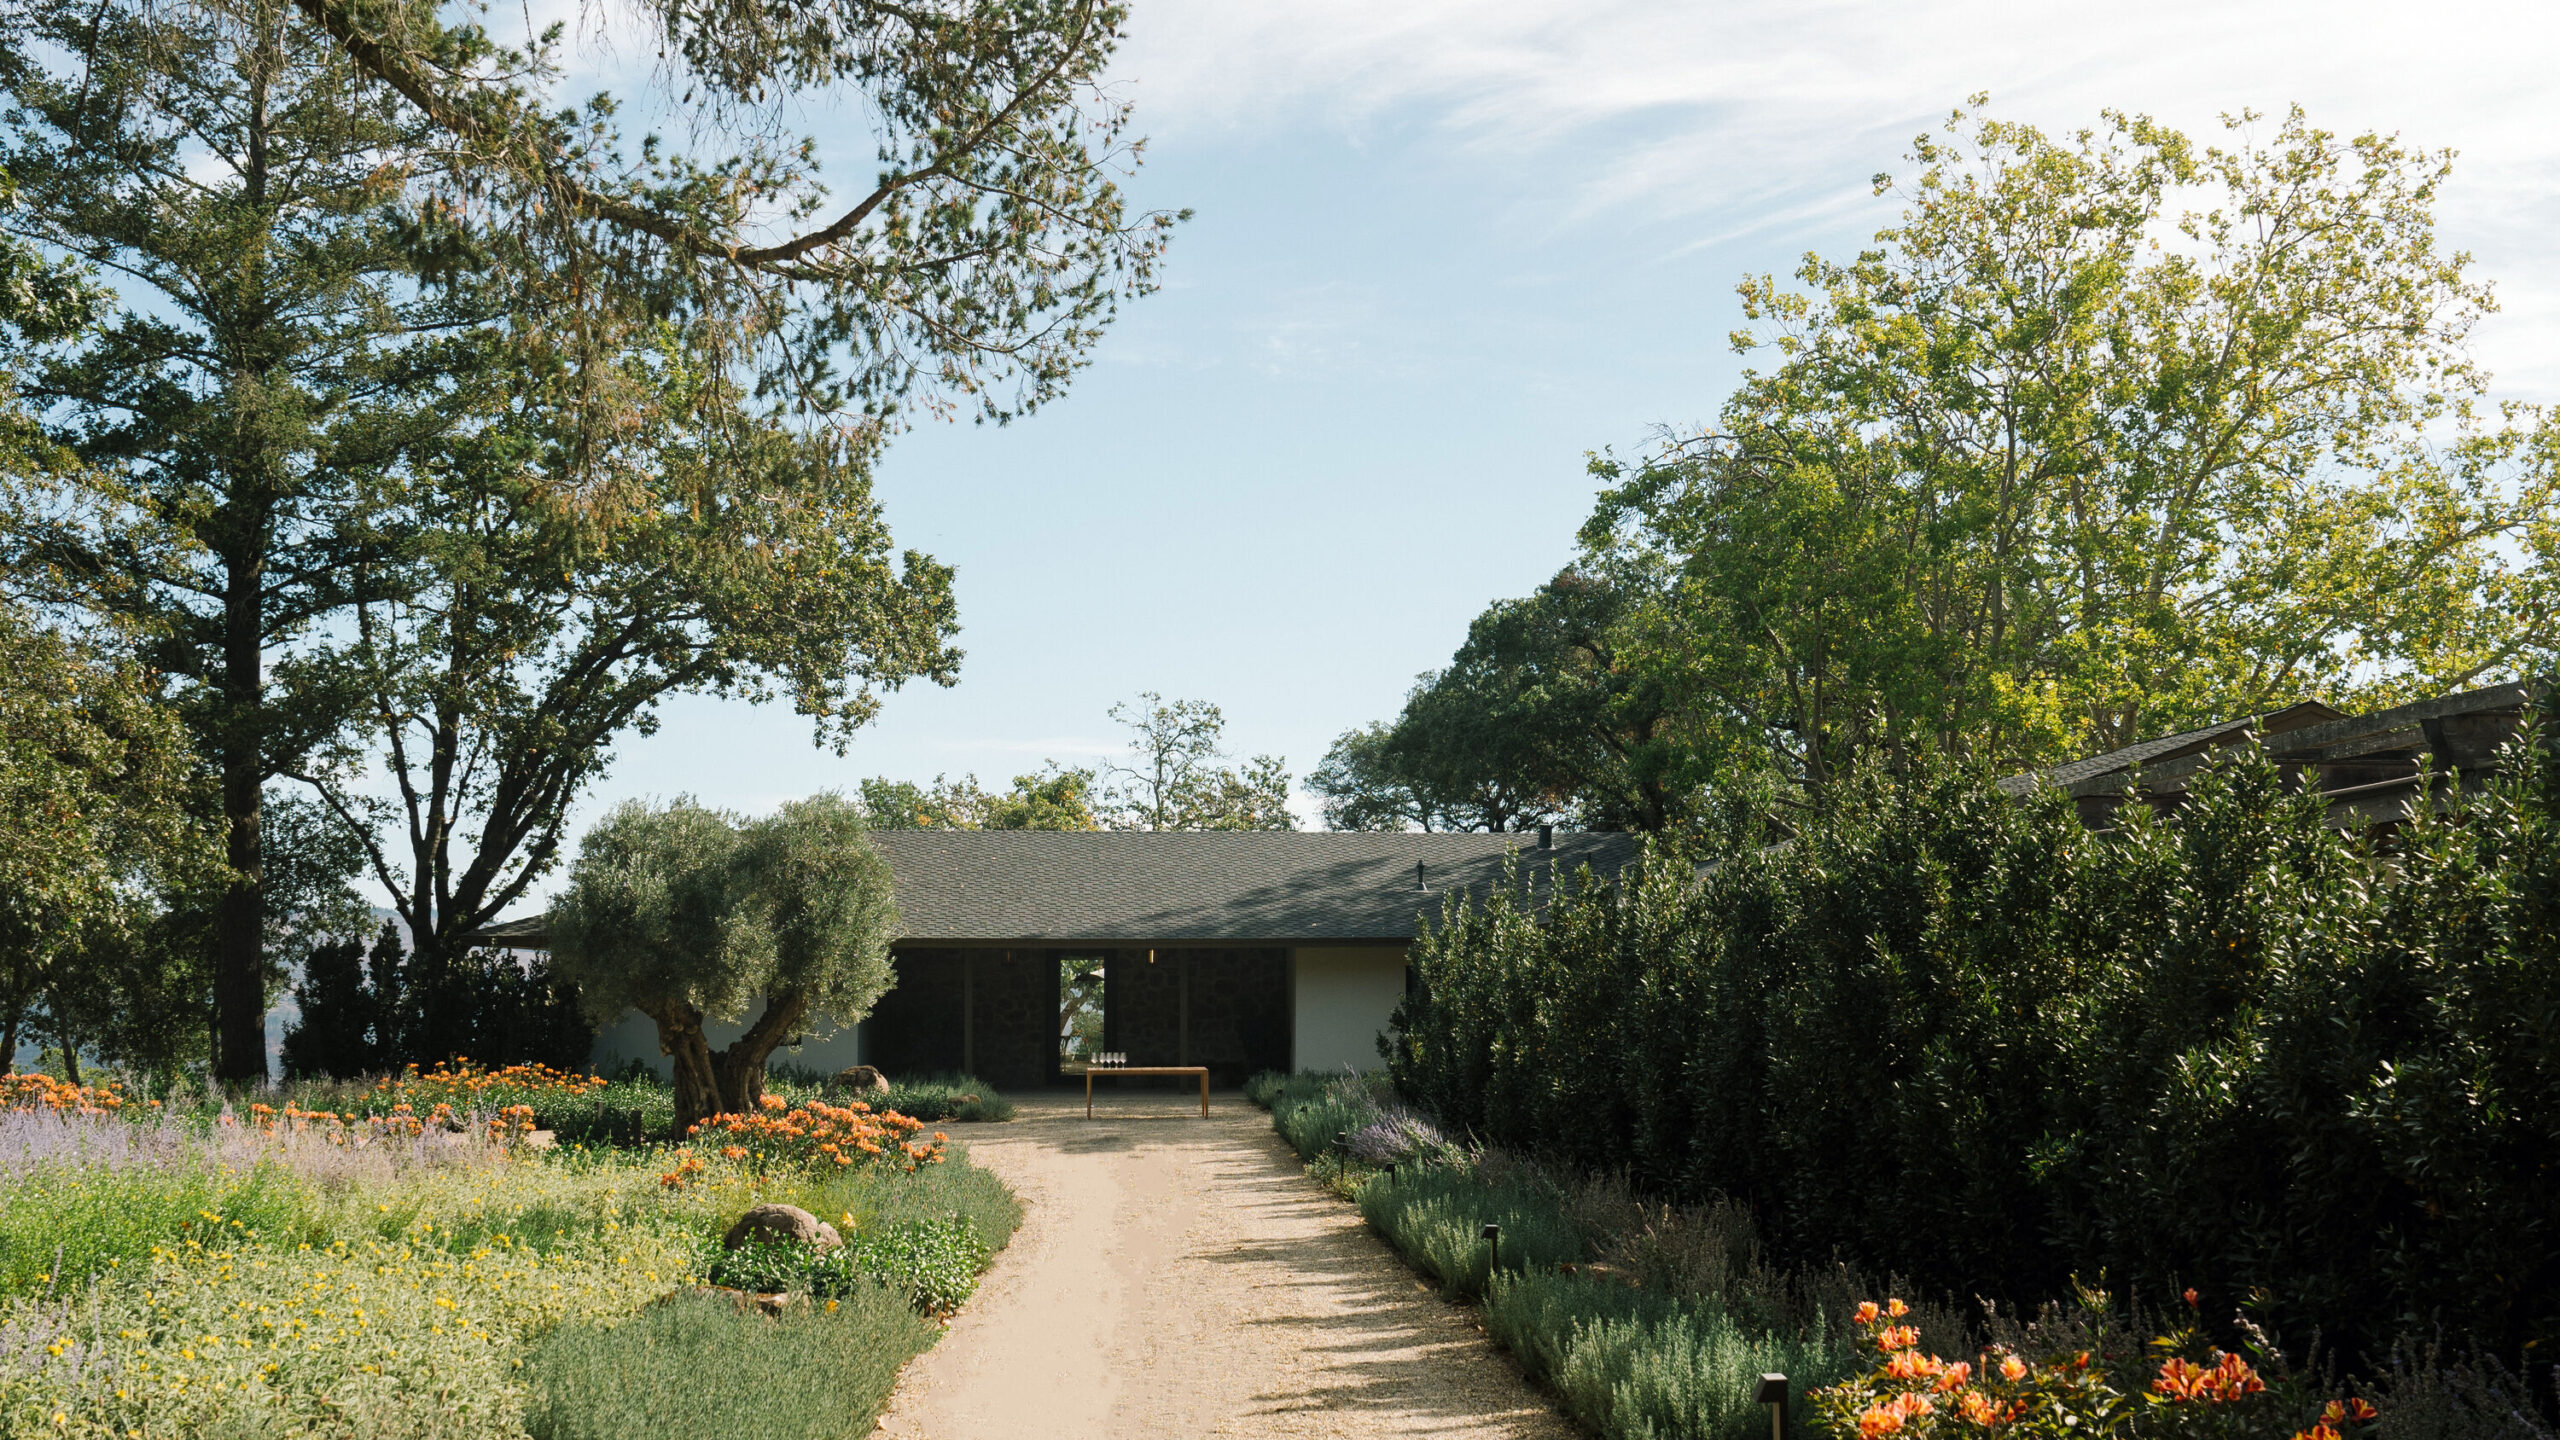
1954	1035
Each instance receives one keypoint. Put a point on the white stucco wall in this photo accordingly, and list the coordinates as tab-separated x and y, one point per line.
635	1037
1340	999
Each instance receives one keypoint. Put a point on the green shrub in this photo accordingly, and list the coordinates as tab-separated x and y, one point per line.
1954	1035
61	1226
1435	1217
699	1365
934	1264
874	1197
1630	1363
1311	1110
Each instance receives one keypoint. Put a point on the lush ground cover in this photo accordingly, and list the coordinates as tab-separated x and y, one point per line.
389	1269
1652	1321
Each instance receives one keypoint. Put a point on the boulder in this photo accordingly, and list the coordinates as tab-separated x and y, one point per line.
780	1223
861	1077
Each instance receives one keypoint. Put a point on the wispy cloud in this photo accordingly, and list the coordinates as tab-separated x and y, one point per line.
1766	117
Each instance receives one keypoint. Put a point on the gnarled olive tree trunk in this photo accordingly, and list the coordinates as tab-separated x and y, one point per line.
728	1081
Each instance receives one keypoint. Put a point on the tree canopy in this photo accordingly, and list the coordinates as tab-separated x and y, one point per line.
687	914
432	429
98	820
2110	435
1172	779
1051	798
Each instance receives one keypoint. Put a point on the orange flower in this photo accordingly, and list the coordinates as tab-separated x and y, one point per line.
1955	1376
1867	1312
2191	1297
1910	1365
1977	1408
2338	1413
2321	1431
1897	1337
1896	1309
1876	1421
2227	1379
2012	1369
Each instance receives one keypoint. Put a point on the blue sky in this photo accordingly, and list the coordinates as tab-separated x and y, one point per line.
1442	250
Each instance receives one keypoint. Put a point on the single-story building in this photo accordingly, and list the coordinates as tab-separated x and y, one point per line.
1237	950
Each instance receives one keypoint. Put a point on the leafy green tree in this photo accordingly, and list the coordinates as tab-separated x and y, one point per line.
685	915
1541	713
978	265
1049	799
97	822
532	622
1365	787
2113	434
1173	780
272	361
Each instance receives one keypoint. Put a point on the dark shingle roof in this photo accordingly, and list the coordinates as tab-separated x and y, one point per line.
1273	887
2167	747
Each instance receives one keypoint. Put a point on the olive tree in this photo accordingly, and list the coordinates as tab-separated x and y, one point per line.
689	915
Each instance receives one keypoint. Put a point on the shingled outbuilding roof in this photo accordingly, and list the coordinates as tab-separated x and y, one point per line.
2370	768
1227	887
1039	887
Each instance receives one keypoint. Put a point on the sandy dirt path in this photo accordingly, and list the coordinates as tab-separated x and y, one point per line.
1179	1277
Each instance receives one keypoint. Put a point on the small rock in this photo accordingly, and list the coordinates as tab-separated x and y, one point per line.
773	1304
860	1077
781	1222
541	1140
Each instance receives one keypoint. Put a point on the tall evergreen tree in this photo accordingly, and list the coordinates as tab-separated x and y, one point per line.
276	364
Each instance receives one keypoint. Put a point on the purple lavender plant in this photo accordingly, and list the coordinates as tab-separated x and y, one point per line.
1397	1135
32	1139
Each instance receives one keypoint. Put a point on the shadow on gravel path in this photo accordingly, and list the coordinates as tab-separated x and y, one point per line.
1178	1277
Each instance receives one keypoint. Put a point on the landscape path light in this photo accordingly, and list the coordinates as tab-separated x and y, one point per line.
1492	1238
1773	1393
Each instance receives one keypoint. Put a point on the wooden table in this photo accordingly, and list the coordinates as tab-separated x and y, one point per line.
1200	1070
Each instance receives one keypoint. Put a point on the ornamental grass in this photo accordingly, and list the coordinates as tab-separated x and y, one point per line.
699	1365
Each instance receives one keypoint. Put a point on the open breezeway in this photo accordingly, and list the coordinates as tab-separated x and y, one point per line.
1178	1277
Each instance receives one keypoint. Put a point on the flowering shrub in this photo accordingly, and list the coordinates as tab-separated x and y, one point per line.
60	1097
355	1337
462	1086
1909	1394
813	1135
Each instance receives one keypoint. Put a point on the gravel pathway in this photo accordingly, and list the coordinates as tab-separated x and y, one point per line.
1179	1277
